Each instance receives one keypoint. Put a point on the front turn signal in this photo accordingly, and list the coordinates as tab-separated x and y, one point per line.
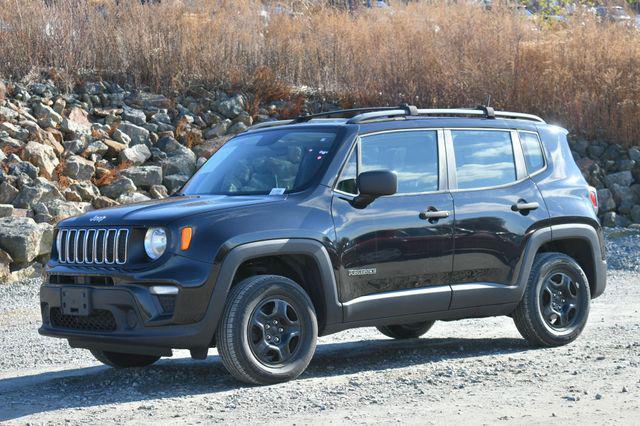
185	238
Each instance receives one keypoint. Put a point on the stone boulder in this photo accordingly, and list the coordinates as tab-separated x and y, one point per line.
174	182
231	107
24	239
6	210
135	155
624	178
144	176
180	159
132	197
77	124
137	135
42	156
121	185
78	168
133	115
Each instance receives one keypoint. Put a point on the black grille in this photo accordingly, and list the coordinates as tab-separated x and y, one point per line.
92	246
168	302
99	320
81	280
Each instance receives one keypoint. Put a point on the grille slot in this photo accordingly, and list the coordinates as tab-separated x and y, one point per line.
92	246
99	320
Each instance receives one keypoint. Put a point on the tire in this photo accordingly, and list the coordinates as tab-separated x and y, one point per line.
268	330
406	331
122	360
556	301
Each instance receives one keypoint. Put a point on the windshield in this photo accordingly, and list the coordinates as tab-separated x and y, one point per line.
272	162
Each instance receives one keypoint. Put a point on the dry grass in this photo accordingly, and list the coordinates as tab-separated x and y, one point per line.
428	53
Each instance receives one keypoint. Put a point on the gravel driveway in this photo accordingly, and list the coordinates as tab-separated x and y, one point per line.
472	371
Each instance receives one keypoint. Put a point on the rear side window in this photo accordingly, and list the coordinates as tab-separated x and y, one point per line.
484	158
412	155
532	150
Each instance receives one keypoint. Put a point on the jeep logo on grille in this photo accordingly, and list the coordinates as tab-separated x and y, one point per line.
97	219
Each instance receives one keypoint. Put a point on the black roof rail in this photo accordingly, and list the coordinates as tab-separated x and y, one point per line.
484	112
307	117
403	110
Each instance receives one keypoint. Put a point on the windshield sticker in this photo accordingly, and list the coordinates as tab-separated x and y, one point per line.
277	191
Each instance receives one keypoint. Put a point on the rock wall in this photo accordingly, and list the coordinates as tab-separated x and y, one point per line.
101	145
615	172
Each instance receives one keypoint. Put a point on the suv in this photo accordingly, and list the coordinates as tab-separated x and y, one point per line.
295	229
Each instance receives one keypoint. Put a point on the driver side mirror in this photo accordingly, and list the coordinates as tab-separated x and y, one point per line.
374	184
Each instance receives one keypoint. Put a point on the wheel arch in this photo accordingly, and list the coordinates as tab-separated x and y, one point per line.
305	261
579	241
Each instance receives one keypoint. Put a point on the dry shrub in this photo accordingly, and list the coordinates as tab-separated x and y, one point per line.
63	181
445	54
111	174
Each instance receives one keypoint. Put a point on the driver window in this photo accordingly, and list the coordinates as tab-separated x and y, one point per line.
412	155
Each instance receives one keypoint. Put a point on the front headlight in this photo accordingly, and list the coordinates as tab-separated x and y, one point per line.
155	242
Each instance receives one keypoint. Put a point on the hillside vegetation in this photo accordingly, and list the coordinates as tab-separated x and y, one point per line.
583	74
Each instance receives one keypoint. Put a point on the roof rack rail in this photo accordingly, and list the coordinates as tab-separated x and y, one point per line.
365	114
307	117
482	111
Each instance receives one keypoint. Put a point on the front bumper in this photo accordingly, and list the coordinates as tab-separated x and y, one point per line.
123	322
124	316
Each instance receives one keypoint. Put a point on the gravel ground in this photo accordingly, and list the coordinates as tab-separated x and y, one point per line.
472	371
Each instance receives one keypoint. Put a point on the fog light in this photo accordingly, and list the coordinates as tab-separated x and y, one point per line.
132	319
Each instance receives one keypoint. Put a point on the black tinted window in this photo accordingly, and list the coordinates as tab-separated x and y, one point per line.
483	158
412	155
532	150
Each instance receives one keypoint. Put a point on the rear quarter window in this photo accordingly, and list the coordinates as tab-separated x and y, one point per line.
532	150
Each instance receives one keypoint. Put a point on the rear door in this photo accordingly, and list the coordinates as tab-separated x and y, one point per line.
396	254
497	207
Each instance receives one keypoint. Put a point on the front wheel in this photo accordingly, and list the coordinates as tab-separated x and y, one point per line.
268	331
556	302
122	360
406	331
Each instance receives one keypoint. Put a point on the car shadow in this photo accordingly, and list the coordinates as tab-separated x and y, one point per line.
170	378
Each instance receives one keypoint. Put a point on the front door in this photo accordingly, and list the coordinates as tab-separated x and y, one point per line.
396	253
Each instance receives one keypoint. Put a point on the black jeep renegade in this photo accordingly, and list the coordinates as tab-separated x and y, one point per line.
392	218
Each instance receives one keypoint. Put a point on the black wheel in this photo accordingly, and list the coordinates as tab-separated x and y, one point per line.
556	302
122	360
406	331
268	331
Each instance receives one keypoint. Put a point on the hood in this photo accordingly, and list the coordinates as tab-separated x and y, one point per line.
164	211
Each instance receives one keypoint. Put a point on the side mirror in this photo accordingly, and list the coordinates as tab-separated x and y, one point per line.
374	184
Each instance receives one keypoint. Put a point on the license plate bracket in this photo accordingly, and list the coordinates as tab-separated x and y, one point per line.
75	301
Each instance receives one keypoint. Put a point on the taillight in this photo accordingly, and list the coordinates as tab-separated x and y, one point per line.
593	196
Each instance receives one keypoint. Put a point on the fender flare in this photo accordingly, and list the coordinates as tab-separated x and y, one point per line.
239	254
560	232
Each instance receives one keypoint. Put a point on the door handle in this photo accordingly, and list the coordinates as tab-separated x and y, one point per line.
523	207
433	214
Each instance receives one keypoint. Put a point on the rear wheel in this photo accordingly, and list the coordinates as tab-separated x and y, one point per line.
406	331
122	360
556	302
268	330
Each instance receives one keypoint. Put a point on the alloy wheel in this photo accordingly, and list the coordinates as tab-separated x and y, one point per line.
275	332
